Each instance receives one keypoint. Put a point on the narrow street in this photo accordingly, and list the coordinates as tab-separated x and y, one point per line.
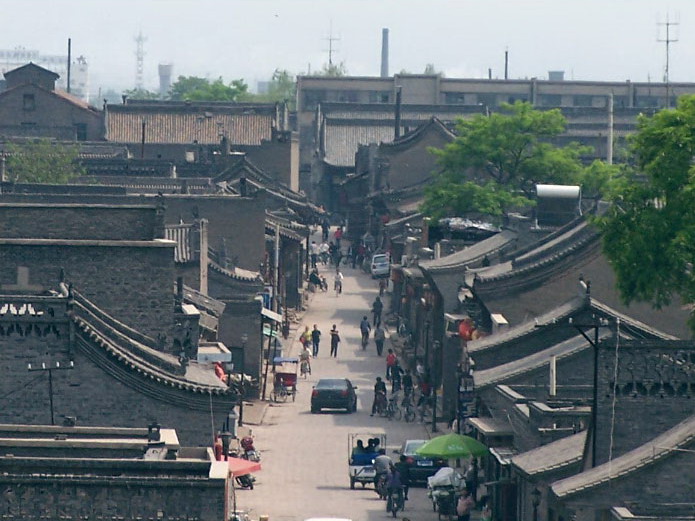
305	456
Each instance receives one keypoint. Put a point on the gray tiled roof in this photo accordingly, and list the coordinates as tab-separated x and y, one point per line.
667	444
342	140
181	234
501	373
460	259
186	127
552	456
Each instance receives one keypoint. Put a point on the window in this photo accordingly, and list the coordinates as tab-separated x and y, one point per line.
583	100
80	131
28	102
549	100
312	98
376	96
454	98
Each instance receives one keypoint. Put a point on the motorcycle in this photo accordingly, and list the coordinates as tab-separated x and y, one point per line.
250	453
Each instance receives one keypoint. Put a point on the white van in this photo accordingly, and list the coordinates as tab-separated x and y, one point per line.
381	266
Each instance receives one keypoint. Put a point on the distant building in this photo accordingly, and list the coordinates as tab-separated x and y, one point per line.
584	103
32	106
79	72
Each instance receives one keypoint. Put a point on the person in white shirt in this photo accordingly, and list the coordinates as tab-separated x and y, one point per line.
338	286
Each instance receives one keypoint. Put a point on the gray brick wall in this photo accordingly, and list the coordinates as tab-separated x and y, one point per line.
63	222
88	392
133	284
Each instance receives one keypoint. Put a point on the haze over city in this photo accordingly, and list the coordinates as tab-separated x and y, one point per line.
588	39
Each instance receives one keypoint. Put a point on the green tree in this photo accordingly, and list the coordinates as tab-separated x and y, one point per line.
506	154
43	161
649	230
141	94
200	89
431	70
282	87
333	70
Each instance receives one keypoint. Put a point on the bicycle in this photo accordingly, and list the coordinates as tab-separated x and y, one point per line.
393	410
409	412
305	368
365	339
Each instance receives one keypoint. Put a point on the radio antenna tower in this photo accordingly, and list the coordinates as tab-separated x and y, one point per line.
330	40
139	59
668	40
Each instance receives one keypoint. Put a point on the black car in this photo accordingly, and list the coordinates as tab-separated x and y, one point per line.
334	393
420	467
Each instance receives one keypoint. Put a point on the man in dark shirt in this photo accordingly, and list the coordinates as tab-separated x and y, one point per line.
404	470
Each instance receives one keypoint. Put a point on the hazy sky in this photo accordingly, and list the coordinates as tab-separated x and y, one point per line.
588	39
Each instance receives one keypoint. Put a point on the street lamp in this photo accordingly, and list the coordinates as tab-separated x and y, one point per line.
535	501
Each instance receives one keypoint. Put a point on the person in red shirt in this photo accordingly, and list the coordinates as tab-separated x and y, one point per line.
391	360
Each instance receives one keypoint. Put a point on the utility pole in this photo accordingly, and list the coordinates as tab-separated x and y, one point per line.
668	40
50	369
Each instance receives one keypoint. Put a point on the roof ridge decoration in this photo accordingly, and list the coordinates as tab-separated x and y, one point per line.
657	449
628	321
540	270
434	123
236	273
531	327
500	373
470	254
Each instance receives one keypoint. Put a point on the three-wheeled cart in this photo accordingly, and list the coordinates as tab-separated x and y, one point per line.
361	456
285	378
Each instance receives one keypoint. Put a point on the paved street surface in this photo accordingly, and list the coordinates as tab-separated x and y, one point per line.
305	456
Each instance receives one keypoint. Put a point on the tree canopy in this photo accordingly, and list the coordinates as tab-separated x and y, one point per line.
333	70
497	159
141	94
201	89
649	230
43	161
282	87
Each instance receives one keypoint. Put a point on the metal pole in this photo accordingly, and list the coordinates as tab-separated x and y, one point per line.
50	394
277	269
241	386
594	411
434	407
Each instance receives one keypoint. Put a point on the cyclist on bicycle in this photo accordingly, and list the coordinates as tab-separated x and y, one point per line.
408	386
305	360
379	396
365	329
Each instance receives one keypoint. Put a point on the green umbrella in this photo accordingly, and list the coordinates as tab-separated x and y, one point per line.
452	446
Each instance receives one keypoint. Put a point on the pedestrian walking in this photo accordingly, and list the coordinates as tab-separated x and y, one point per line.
377	308
315	340
314	253
338	235
379	338
338	284
390	362
335	340
325	226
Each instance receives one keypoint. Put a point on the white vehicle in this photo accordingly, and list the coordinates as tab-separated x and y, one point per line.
381	266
